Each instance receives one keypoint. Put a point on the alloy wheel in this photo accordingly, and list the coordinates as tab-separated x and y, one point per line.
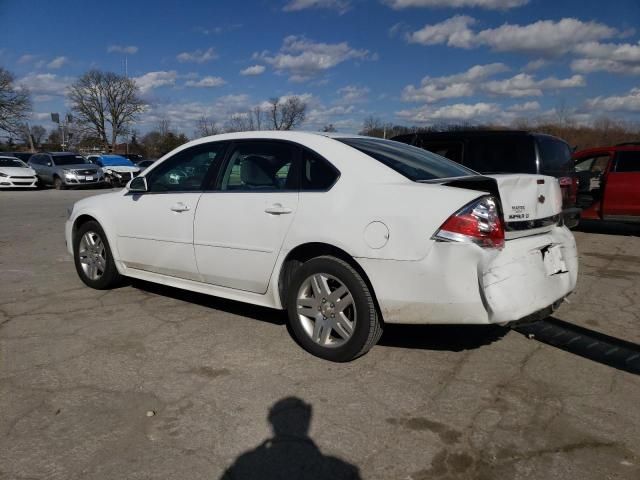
326	310
92	255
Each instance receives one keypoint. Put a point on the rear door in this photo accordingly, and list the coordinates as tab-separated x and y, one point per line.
622	187
241	223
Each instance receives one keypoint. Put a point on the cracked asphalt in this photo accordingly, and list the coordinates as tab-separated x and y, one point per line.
148	382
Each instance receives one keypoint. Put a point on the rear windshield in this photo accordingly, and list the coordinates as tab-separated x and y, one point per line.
555	156
501	154
414	163
68	159
11	162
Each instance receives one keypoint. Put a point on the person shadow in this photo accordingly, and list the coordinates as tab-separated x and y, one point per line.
290	454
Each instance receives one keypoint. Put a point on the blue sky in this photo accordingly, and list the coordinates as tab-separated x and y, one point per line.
412	62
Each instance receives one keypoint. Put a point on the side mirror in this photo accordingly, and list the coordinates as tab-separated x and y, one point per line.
138	185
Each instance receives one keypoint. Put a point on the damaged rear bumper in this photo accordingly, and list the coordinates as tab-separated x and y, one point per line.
465	284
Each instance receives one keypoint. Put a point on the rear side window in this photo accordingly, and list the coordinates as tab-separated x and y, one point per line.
502	154
628	161
317	173
414	163
555	156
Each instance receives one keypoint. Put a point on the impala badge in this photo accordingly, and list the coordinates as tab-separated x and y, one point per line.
541	199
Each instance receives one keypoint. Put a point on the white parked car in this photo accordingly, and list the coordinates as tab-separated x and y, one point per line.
344	232
14	173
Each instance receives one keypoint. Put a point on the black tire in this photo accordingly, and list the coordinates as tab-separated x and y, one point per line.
367	327
110	277
57	183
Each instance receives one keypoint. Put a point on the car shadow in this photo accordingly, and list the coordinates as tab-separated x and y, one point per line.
608	228
290	453
255	312
454	338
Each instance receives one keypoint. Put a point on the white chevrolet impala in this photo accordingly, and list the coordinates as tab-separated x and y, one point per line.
344	232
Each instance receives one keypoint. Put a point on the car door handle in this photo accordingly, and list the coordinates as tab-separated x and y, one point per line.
180	207
277	209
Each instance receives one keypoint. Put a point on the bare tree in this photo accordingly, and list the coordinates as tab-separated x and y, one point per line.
105	104
257	115
372	127
240	122
329	128
288	114
164	126
205	127
38	133
15	103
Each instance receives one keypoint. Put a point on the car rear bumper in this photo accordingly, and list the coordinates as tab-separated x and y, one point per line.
464	284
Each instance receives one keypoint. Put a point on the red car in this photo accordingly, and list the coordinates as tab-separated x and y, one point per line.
609	182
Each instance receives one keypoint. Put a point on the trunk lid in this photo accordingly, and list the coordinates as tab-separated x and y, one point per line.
531	204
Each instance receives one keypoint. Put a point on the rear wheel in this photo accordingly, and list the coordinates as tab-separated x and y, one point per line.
93	259
331	310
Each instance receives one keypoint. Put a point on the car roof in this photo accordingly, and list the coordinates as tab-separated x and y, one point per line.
629	146
10	157
59	154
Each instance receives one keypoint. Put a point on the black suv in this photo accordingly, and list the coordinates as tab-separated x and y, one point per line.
507	151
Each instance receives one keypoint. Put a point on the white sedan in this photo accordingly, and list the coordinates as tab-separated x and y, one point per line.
14	173
344	232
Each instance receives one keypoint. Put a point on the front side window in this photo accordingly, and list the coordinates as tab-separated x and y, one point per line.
628	161
186	170
414	163
264	165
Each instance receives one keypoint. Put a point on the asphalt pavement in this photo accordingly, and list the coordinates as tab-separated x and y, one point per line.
150	382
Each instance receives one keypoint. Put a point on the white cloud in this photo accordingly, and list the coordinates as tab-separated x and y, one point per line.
534	65
353	94
459	112
128	49
546	37
57	62
463	84
524	107
197	56
253	70
206	82
341	6
27	58
46	85
454	32
488	4
302	59
617	103
525	85
608	57
152	80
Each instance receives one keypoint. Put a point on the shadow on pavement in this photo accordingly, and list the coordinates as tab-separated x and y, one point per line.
455	338
608	228
263	314
290	453
586	343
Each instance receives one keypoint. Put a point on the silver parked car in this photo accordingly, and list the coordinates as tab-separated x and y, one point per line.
65	169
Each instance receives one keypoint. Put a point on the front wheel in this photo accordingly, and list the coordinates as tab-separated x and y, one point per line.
57	183
331	310
93	258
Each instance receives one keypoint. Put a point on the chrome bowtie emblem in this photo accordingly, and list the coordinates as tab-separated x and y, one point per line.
541	199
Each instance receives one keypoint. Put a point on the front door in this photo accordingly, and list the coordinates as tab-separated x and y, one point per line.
241	224
155	228
622	187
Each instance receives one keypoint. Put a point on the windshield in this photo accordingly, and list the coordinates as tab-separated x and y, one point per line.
115	161
68	159
414	163
12	162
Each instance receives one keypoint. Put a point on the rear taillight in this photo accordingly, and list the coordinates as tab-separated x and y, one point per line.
569	188
478	222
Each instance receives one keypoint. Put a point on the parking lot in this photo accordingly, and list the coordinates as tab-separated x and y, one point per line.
150	382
